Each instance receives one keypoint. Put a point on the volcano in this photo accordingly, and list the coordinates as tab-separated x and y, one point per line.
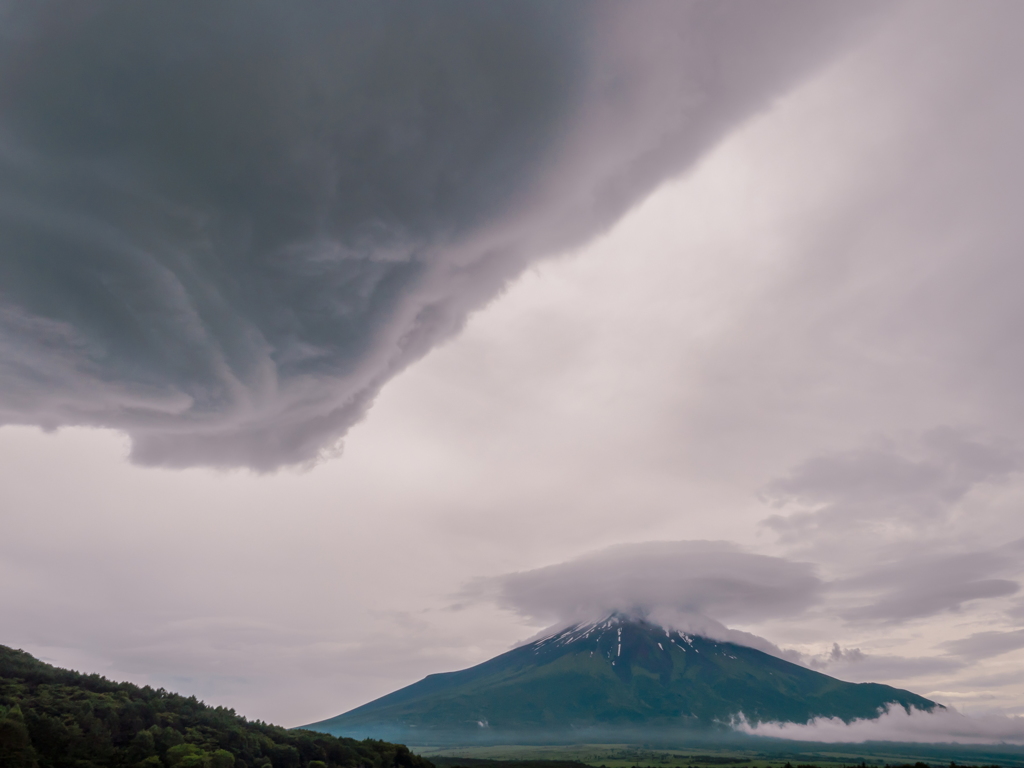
619	678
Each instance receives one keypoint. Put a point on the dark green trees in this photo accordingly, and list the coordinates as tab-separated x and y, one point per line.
54	718
15	743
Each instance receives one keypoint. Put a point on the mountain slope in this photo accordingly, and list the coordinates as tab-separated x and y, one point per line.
616	675
55	718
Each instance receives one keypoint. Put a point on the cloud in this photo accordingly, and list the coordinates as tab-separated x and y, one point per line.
897	724
1002	678
924	599
856	666
895	492
983	645
685	582
909	483
845	264
698	624
916	587
1016	610
225	228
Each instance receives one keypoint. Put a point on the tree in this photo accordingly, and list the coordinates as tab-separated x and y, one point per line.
15	744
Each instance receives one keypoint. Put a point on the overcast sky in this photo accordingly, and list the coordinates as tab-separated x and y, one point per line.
328	367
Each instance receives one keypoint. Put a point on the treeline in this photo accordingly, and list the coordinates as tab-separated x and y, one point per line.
696	761
952	764
55	718
480	762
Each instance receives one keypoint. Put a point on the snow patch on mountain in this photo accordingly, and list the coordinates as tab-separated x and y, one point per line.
686	625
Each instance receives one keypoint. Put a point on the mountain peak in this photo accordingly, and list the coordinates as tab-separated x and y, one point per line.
627	642
606	678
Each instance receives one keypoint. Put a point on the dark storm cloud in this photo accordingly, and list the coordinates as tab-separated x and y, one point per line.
224	227
688	578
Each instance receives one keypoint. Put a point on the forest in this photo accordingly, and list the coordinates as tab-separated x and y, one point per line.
56	718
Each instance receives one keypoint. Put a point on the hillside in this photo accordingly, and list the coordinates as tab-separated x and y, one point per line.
55	718
612	679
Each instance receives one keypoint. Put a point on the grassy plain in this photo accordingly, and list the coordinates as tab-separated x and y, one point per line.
772	754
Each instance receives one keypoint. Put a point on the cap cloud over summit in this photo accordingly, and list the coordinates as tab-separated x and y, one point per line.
225	227
686	580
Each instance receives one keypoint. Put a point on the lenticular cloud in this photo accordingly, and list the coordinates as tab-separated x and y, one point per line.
224	227
690	585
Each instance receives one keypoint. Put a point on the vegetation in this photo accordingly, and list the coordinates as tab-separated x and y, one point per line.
697	761
748	753
470	762
616	681
55	718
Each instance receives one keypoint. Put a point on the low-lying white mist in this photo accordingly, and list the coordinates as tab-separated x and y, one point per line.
898	724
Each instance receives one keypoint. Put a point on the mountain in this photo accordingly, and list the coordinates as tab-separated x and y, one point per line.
618	678
55	718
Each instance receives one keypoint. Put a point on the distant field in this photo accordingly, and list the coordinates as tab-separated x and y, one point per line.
609	755
773	755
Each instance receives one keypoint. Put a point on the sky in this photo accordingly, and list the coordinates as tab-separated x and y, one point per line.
326	367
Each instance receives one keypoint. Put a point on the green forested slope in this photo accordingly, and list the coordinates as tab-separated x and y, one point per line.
616	679
55	718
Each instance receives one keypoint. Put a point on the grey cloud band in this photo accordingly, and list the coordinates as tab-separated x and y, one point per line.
696	580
